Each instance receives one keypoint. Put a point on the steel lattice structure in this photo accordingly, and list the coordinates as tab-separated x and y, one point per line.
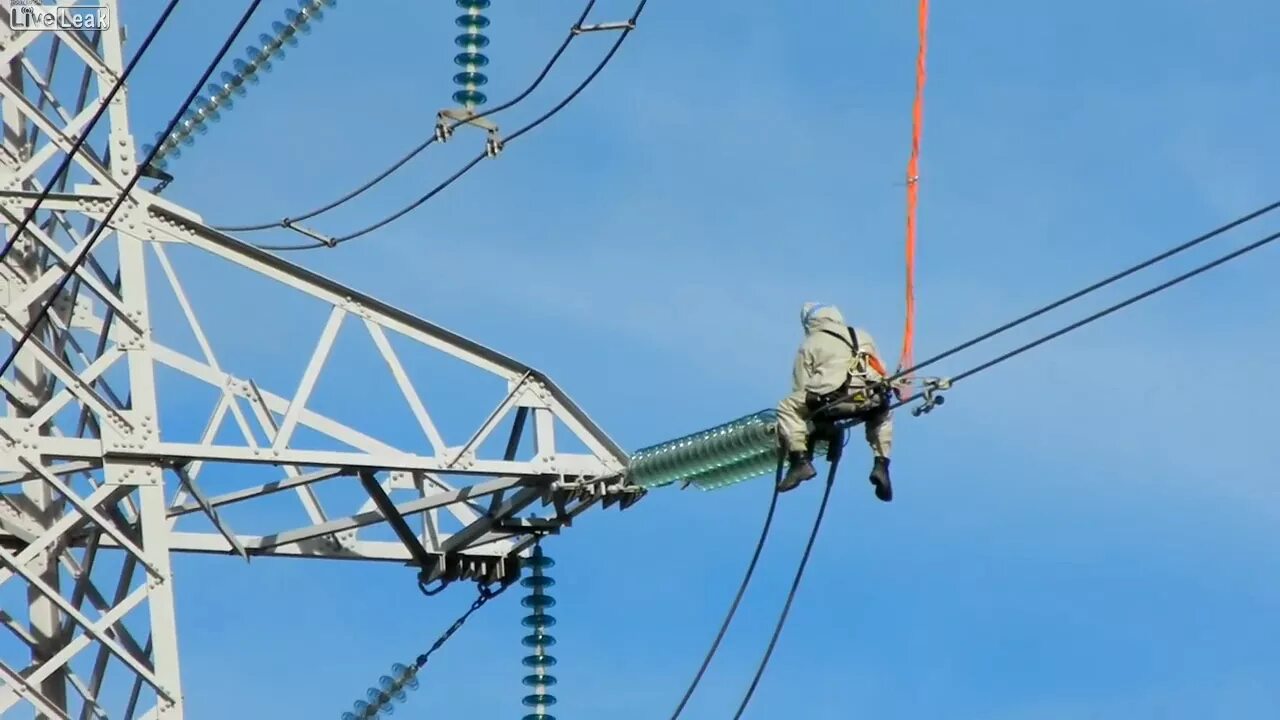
99	486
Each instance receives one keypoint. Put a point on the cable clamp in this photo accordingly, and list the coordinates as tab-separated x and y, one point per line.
444	131
448	120
932	394
493	144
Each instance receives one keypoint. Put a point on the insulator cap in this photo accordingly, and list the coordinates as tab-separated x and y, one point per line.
538	581
533	621
247	71
538	562
472	40
538	601
538	639
539	661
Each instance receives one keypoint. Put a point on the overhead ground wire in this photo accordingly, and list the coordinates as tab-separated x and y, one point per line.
546	70
542	76
622	36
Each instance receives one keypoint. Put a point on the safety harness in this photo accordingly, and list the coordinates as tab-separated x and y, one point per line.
868	398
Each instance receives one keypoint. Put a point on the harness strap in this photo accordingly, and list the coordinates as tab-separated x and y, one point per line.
852	341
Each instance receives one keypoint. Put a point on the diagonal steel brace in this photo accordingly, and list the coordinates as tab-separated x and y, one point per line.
189	484
395	520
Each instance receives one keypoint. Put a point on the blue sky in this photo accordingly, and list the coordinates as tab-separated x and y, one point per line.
1084	532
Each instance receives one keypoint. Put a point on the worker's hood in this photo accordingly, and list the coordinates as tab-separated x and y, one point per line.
817	317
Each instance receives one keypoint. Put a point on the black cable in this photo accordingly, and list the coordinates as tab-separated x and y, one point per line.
338	241
1073	296
133	180
742	589
795	585
340	201
969	373
1096	286
84	136
1118	306
546	70
622	36
1095	316
631	25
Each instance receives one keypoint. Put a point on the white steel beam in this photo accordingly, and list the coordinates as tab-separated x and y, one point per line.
144	435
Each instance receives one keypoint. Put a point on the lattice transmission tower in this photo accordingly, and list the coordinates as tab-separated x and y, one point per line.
105	473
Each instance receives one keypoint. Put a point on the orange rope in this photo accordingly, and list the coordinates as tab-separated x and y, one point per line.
913	183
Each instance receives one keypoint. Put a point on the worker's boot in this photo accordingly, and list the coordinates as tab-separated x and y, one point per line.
880	478
801	469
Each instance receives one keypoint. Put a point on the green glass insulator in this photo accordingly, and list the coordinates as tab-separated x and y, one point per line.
753	467
538	561
723	473
538	661
472	20
470	79
472	40
470	59
538	601
218	97
535	680
470	98
538	640
706	451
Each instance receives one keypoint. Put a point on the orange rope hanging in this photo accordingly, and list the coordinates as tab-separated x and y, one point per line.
913	184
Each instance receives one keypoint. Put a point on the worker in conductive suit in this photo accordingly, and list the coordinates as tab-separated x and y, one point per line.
835	362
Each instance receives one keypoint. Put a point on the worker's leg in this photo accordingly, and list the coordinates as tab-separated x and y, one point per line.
793	430
879	428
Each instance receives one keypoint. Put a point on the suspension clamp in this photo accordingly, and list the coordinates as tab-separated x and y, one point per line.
932	394
444	128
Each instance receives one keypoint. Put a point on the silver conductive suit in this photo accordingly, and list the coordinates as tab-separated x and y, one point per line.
836	362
